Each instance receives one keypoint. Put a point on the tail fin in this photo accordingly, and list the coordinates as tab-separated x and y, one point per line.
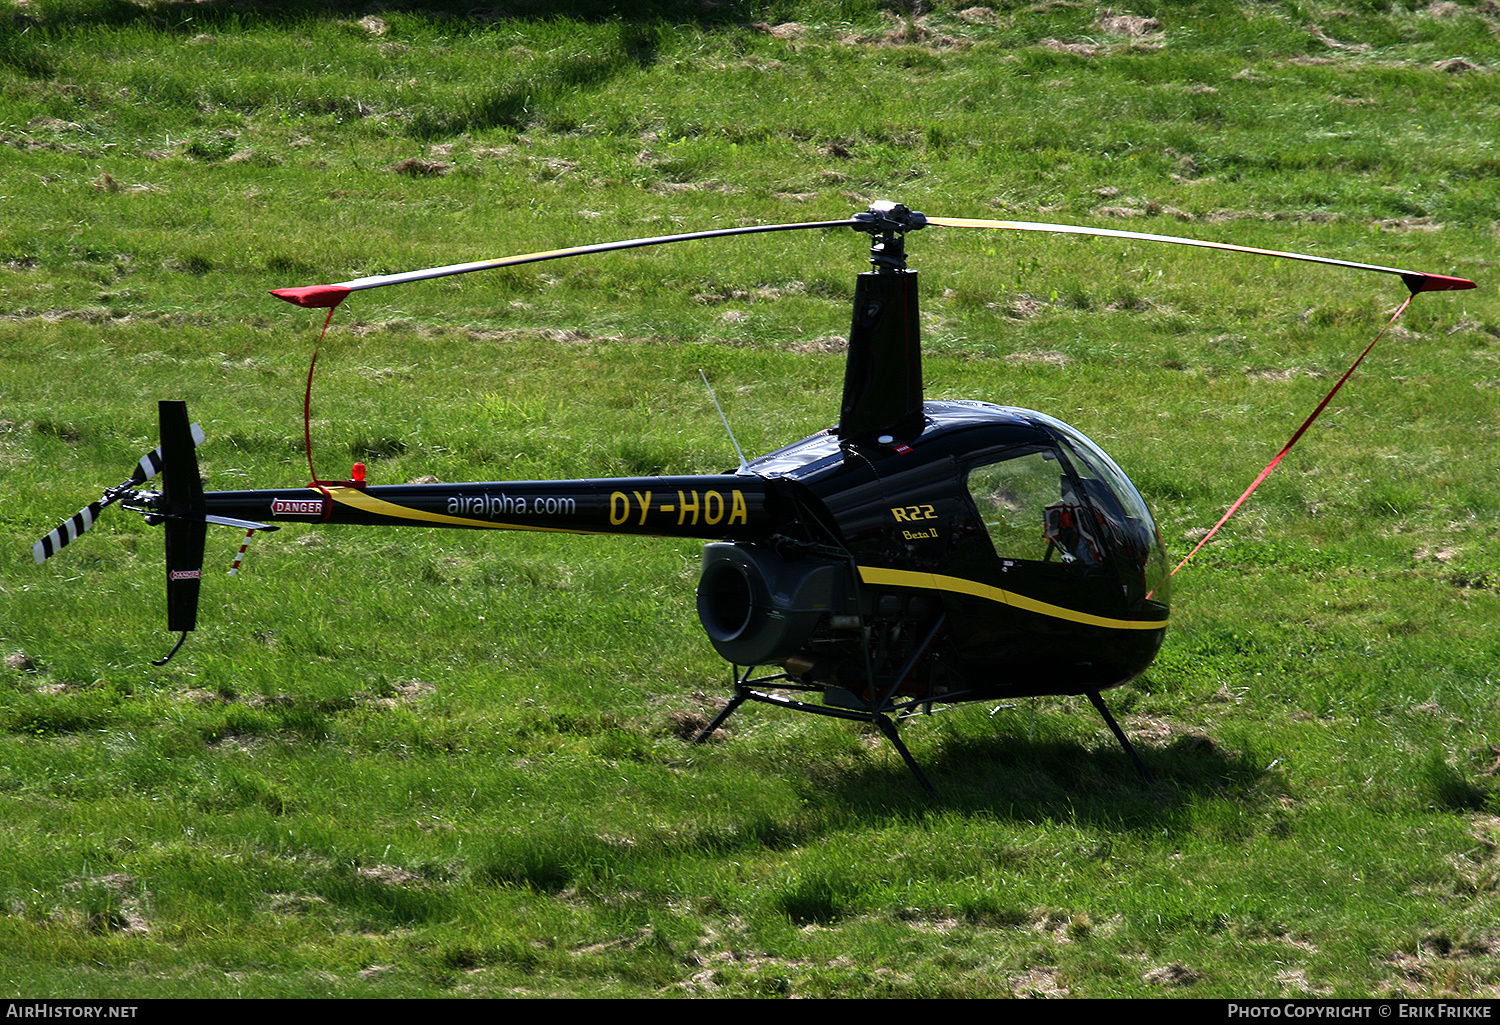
184	510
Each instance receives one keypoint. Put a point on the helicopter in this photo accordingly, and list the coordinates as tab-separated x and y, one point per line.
917	553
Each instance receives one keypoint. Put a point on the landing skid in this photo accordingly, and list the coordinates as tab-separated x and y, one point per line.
745	690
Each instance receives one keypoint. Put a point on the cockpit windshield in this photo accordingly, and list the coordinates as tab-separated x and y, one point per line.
1011	496
1070	504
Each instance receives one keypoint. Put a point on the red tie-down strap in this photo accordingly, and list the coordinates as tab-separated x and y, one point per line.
313	481
1295	437
316	297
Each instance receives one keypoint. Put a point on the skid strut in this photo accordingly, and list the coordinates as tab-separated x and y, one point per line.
744	691
873	714
1120	735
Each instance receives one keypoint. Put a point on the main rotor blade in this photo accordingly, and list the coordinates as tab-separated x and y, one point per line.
326	296
1415	280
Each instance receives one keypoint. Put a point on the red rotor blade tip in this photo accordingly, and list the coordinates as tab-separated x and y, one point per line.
1443	283
320	297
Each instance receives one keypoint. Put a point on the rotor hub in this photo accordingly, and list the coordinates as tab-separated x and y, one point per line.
888	223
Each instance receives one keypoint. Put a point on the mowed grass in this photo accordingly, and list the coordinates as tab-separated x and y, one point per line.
411	763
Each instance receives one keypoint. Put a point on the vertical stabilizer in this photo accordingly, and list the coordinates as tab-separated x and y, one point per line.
184	508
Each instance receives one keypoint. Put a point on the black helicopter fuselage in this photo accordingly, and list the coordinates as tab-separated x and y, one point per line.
1005	531
997	553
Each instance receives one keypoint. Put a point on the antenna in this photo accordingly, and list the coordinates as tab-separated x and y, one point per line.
729	430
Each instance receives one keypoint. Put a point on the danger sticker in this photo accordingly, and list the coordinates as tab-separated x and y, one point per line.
296	507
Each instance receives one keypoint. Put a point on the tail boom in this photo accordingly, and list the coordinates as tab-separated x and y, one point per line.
724	506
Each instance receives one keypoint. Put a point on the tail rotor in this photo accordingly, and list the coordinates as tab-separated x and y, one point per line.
72	528
180	507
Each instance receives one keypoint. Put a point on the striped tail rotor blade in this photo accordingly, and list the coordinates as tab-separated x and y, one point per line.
151	463
66	532
1417	281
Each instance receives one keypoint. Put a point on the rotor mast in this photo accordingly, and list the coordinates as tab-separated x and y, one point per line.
883	375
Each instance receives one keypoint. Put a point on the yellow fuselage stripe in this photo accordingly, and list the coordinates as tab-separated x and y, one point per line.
940	582
358	499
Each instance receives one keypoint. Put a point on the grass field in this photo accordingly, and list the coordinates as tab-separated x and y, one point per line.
410	763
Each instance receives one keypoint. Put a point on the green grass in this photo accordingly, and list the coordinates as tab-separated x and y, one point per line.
432	764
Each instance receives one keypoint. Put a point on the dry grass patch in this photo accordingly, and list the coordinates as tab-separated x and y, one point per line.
1048	358
418	167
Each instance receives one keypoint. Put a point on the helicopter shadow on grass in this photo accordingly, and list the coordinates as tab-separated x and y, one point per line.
518	100
1088	783
197	16
516	104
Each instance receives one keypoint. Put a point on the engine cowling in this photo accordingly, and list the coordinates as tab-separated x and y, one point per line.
759	606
